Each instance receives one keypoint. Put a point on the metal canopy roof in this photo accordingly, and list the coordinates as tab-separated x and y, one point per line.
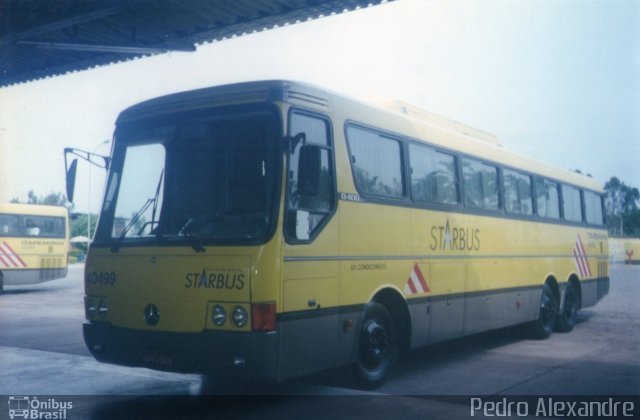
42	38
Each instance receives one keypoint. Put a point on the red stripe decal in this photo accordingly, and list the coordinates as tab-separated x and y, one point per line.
583	255
412	287
14	254
3	261
423	282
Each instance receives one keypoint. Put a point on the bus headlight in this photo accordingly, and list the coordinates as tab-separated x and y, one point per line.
240	317
103	309
90	308
219	316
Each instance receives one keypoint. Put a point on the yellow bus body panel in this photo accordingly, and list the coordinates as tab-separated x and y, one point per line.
182	283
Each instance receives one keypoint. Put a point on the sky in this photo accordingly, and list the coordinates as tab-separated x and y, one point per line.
558	81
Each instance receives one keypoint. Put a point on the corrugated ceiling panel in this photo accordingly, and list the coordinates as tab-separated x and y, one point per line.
41	38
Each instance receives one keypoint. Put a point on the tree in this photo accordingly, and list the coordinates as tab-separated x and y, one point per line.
78	223
52	199
621	207
79	227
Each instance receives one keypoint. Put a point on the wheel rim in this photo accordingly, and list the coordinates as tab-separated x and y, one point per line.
374	345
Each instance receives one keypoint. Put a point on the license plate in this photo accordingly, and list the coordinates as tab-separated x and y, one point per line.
157	360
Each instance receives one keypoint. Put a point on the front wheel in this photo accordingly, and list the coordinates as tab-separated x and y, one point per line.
542	327
377	347
567	316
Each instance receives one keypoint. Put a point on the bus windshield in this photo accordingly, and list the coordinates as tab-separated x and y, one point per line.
204	176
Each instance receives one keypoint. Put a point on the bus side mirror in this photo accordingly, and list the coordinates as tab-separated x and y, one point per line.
71	179
71	169
309	168
293	141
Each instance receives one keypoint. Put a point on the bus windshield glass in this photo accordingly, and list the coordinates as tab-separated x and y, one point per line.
203	177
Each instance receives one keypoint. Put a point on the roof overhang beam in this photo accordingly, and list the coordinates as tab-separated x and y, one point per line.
120	49
47	27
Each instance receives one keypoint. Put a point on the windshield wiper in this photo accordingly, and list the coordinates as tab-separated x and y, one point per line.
134	220
195	238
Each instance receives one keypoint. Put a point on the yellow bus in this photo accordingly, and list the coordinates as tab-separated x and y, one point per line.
271	229
34	242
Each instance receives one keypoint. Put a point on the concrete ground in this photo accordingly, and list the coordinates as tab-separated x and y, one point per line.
42	353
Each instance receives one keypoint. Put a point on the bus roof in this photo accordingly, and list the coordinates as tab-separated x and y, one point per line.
396	117
33	209
396	105
404	119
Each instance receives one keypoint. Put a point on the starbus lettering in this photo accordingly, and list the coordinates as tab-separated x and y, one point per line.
447	238
214	280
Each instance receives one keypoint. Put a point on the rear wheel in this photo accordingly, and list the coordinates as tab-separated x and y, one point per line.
567	316
542	327
377	347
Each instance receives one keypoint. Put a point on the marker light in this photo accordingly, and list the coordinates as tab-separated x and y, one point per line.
103	309
240	316
91	309
219	316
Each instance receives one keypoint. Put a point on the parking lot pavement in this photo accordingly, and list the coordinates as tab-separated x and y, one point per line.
36	372
42	353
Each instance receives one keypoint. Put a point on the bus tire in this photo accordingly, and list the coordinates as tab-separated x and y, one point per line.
1	282
542	327
567	316
376	346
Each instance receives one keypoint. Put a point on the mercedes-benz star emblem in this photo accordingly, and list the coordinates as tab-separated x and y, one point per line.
151	314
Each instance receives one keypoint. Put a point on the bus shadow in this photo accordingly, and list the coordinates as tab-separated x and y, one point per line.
12	291
218	386
584	316
461	348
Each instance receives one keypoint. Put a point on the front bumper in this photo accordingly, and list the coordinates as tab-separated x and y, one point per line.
242	354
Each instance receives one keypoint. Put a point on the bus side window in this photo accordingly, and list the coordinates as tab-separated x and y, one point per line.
593	207
31	229
480	185
377	163
517	192
308	209
433	175
571	203
9	225
547	198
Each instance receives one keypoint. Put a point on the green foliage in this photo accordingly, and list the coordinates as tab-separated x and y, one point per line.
52	199
79	224
622	208
79	227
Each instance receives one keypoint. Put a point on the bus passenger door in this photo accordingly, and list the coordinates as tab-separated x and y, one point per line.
308	329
